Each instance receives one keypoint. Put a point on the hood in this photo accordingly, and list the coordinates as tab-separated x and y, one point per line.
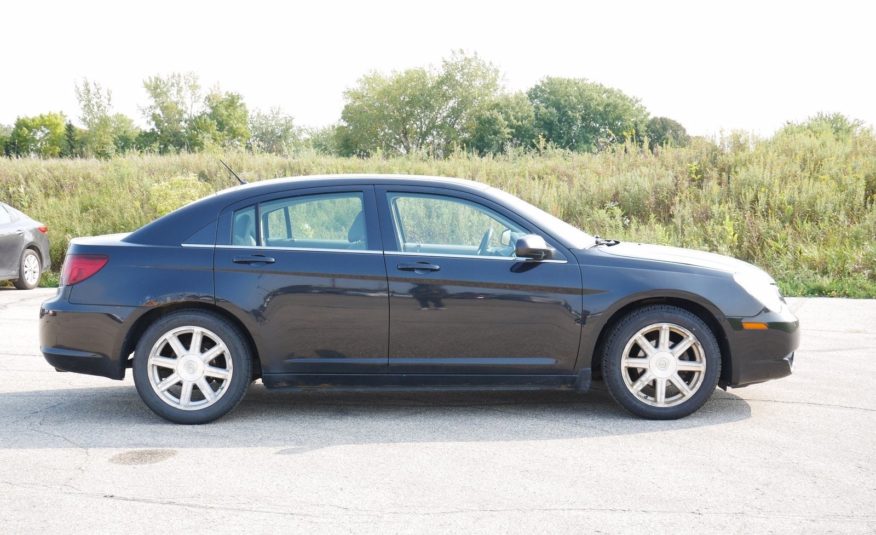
690	257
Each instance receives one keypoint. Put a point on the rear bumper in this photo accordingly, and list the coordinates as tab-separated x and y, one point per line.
761	355
83	338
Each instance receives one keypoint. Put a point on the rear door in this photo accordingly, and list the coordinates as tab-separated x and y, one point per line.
11	238
460	302
306	269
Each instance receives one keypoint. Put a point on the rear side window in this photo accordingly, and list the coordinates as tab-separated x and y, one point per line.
323	221
4	216
243	229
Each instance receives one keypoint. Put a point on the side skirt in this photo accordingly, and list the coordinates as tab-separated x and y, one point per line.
412	381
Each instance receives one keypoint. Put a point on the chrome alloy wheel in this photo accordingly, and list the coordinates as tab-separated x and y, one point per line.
31	269
190	368
663	365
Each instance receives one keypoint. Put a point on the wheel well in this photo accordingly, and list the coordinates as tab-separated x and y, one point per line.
147	319
692	307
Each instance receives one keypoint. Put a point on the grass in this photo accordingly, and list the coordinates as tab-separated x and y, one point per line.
802	204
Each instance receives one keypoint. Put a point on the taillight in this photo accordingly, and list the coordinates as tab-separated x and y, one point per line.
78	267
43	229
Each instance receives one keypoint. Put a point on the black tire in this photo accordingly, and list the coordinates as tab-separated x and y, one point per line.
240	357
21	282
613	372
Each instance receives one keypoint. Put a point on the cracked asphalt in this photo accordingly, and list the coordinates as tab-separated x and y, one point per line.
82	453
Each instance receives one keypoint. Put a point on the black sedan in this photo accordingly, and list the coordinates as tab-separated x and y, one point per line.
24	248
405	282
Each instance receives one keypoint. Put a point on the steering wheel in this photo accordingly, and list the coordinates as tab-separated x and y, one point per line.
484	247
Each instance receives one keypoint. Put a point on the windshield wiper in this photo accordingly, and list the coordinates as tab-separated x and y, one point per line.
606	242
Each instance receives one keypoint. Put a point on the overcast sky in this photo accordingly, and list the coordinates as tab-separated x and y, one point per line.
710	65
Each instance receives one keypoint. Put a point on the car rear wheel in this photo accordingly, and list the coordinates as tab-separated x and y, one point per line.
661	362
29	270
192	367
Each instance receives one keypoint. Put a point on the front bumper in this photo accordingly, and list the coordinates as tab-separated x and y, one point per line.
84	338
761	355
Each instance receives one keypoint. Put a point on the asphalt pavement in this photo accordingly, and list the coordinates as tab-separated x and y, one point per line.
83	454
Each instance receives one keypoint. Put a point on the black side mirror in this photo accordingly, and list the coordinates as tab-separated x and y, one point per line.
533	246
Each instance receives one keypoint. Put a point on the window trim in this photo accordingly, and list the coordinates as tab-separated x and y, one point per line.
224	237
390	240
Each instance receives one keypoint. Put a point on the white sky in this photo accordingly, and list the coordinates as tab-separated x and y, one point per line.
710	65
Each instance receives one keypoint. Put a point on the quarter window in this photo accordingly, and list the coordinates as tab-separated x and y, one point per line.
4	215
439	224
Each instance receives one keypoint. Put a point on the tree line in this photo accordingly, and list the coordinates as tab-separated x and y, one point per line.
460	105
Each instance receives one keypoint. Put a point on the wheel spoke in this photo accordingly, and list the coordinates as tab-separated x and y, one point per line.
176	345
663	345
163	362
168	382
218	373
690	366
681	385
204	387
212	353
660	390
195	344
635	363
642	382
185	395
645	345
679	348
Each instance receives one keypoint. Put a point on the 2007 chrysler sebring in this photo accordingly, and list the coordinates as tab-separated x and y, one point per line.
405	282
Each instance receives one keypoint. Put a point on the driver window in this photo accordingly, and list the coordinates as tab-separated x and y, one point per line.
438	224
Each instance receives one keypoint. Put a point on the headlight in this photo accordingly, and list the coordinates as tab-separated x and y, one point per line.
762	288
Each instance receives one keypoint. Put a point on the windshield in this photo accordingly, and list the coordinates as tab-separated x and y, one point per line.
570	236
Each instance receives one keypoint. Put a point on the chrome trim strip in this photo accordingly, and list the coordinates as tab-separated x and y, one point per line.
506	258
372	251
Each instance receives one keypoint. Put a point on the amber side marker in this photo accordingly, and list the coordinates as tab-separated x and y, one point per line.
754	326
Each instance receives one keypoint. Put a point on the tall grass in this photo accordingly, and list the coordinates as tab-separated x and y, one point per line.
802	205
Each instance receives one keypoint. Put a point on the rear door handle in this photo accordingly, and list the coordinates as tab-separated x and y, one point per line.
253	259
419	267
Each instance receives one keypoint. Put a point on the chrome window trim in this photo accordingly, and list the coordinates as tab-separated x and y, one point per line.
305	249
506	258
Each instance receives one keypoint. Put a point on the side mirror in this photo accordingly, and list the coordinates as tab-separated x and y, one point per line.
534	247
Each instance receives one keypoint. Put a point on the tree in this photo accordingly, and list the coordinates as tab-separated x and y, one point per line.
72	147
417	109
105	133
42	135
224	123
173	104
508	121
273	131
664	131
95	104
5	131
577	114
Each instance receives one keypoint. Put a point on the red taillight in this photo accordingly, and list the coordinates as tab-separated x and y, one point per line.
78	267
43	229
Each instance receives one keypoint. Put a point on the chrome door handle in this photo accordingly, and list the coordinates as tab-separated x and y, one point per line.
419	267
254	259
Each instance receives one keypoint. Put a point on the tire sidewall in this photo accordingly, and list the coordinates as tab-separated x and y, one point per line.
240	358
22	283
627	328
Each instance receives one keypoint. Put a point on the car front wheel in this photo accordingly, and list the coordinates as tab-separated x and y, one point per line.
661	362
192	367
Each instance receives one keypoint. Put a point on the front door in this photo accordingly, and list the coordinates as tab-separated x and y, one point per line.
460	301
308	268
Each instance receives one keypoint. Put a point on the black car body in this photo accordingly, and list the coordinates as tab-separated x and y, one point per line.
24	248
340	285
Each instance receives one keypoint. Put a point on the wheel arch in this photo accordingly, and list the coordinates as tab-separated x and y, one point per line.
143	322
707	313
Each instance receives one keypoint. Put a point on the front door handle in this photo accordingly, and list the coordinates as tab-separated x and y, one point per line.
253	259
419	267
